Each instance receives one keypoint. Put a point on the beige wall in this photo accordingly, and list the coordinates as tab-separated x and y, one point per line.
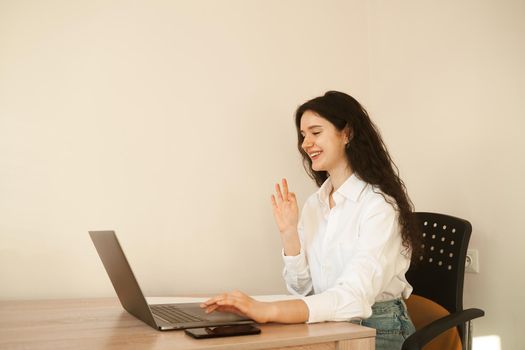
170	121
447	87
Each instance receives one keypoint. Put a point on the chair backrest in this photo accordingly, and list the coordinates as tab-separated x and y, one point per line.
438	272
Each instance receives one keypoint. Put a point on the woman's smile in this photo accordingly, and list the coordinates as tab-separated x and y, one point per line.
314	155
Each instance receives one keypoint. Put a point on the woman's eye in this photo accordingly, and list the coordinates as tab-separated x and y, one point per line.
316	133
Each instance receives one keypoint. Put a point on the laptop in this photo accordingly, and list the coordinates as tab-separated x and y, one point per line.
159	316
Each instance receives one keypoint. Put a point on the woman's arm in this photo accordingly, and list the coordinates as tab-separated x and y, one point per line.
290	311
286	213
287	311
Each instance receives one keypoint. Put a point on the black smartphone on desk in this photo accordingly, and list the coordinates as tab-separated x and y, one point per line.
222	331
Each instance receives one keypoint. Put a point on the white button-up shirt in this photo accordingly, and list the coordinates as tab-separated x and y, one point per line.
351	255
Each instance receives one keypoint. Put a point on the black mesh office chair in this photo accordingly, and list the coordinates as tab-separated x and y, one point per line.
437	276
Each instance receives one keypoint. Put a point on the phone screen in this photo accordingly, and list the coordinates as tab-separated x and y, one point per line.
222	331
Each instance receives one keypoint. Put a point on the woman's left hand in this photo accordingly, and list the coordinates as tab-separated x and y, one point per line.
241	304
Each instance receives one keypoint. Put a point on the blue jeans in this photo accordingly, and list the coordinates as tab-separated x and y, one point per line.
392	324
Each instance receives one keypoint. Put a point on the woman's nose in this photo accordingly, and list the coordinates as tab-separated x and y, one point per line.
306	143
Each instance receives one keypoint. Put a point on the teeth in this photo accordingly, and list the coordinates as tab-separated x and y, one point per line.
314	154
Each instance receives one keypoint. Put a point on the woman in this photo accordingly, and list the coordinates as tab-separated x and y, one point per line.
347	256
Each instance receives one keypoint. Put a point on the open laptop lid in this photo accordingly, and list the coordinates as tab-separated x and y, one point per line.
121	275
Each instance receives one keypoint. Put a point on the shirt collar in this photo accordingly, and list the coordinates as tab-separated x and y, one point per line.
350	189
324	191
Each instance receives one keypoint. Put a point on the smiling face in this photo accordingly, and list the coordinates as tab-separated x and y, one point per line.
324	144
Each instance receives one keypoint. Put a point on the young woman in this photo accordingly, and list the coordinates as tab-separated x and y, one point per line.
346	257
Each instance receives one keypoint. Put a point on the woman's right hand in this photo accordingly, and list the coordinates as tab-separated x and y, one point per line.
285	210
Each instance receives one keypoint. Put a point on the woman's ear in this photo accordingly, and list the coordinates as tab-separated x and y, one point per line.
349	133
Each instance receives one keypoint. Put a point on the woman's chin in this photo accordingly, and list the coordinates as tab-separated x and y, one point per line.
317	167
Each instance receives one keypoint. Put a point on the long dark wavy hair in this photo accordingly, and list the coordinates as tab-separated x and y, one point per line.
366	153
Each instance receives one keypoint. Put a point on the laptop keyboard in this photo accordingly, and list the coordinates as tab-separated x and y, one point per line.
173	314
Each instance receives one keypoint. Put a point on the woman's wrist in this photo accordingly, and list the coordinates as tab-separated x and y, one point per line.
288	311
291	243
292	252
293	249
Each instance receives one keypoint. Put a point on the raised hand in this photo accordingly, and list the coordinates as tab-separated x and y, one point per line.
285	209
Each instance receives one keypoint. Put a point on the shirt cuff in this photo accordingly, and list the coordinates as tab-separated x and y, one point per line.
336	305
296	263
320	307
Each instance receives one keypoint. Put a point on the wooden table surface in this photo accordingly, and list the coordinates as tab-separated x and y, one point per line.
104	324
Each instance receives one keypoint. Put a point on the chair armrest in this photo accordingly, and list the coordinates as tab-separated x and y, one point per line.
421	337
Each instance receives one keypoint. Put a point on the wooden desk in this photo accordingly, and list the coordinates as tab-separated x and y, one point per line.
103	324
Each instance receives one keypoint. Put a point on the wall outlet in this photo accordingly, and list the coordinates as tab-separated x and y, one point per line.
472	261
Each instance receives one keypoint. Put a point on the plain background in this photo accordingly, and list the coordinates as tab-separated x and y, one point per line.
170	121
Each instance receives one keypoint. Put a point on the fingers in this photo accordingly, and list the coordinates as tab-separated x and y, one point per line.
283	199
278	191
211	308
214	300
233	302
230	302
285	194
238	293
211	305
274	203
285	188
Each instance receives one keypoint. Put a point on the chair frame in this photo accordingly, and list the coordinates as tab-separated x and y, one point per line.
454	302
